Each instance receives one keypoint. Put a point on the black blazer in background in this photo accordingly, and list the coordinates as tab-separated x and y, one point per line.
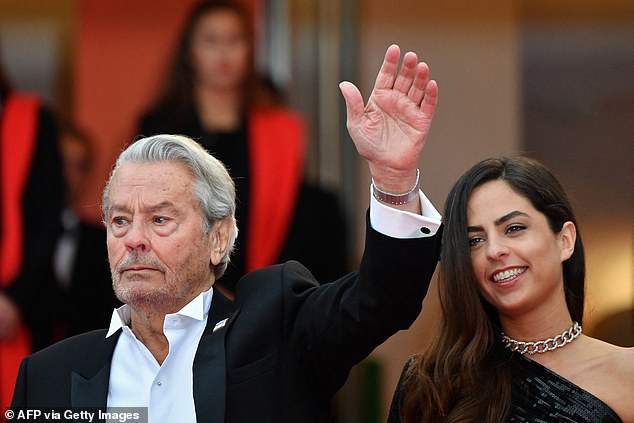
285	350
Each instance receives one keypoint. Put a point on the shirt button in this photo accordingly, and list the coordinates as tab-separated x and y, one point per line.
159	383
425	230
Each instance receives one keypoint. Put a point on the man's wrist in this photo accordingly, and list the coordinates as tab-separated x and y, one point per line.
394	198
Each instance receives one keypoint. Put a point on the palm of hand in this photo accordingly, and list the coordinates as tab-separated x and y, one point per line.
392	130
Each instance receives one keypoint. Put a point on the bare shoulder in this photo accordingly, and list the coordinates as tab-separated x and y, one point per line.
623	364
621	361
602	369
613	359
617	368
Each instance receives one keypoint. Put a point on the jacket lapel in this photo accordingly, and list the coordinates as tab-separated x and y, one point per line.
210	374
89	383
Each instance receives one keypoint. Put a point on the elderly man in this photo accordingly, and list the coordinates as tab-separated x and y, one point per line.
285	345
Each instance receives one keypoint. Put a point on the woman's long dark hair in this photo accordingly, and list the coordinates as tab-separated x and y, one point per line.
176	101
465	375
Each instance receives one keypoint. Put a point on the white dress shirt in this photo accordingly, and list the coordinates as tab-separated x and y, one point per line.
402	224
136	378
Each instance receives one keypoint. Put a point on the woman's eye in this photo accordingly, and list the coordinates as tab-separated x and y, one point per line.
515	228
475	241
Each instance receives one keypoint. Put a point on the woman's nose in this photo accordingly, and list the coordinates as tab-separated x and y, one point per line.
496	249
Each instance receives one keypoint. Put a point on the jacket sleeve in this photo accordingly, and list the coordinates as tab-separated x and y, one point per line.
19	393
336	325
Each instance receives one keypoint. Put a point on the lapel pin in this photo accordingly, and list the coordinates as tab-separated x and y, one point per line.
221	324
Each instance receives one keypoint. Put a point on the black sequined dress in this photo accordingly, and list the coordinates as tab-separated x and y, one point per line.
542	396
539	396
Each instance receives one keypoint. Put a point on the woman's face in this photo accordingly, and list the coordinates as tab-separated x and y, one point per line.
516	257
220	52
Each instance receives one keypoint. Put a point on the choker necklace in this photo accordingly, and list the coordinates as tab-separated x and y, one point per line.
541	347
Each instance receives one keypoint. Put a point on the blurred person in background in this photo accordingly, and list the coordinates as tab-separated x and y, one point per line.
213	94
80	266
31	195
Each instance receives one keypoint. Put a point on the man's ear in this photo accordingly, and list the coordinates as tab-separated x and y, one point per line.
567	237
219	236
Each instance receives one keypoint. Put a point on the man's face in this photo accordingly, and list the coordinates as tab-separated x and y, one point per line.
159	256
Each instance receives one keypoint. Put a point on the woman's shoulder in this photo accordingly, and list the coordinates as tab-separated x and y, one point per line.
621	364
613	371
611	355
607	359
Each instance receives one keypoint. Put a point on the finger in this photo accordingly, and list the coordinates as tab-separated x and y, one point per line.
387	74
353	99
407	73
419	85
428	105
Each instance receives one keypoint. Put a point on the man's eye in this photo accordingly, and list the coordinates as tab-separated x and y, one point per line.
118	221
160	220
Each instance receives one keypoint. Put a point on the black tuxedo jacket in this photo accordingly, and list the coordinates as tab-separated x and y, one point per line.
286	347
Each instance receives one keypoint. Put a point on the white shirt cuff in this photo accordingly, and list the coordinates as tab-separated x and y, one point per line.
403	224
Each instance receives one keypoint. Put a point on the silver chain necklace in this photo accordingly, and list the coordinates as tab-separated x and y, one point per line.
541	347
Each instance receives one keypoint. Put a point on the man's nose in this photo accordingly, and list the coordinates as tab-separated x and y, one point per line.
136	239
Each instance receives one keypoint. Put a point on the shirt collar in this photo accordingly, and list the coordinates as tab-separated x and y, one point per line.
197	309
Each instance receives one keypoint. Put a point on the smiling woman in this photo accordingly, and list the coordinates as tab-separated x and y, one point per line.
516	256
512	274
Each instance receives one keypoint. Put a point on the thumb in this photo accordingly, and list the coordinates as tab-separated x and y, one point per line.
354	101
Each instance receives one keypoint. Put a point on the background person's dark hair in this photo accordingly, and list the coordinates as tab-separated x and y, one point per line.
466	365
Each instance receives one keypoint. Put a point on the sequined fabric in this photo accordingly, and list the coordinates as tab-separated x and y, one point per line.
542	396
